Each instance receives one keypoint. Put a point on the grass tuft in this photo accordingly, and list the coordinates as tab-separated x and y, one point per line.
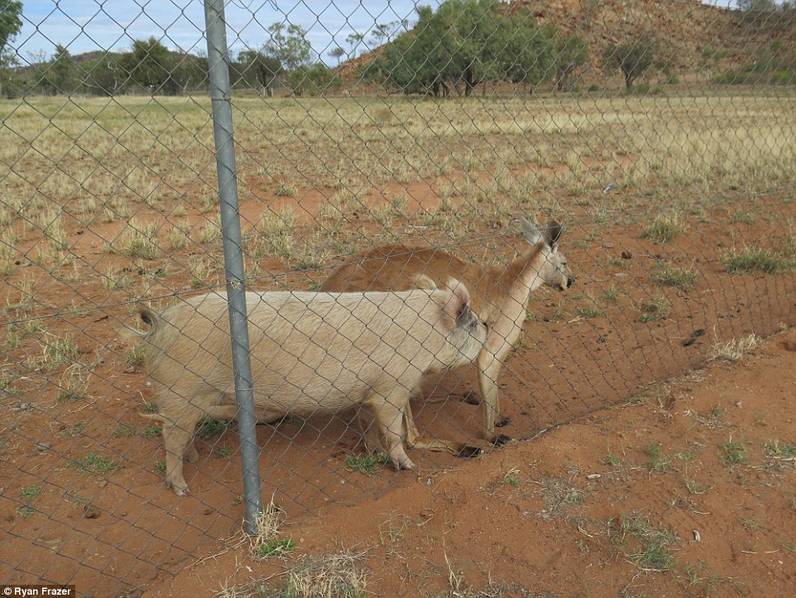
140	240
275	233
733	453
774	449
658	462
666	275
655	309
366	463
757	260
30	492
653	543
589	312
326	577
735	349
93	464
73	383
664	228
275	548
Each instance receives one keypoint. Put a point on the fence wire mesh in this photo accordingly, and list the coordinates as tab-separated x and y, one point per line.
375	141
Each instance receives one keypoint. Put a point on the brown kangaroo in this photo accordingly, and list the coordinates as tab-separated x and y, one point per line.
499	296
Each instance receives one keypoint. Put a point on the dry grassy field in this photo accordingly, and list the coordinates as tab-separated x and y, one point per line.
680	224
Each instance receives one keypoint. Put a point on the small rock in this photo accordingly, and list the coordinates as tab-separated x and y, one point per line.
738	404
626	255
207	511
90	511
697	536
593	476
42	447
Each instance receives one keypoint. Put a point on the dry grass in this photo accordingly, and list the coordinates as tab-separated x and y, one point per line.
665	227
338	575
328	576
728	138
734	349
267	528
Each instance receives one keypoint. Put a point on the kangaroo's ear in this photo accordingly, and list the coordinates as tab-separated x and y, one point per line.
531	232
553	234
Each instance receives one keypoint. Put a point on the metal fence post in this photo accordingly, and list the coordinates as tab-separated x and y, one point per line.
233	258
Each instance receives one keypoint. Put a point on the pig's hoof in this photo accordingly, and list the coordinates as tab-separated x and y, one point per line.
468	452
500	440
503	422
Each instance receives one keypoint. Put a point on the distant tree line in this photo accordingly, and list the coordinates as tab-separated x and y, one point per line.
284	61
460	46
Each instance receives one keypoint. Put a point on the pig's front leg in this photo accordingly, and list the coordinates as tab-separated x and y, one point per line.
388	409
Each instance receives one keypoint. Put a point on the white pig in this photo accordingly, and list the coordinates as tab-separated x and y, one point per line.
310	353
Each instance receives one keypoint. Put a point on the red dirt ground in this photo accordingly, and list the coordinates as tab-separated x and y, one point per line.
116	531
543	517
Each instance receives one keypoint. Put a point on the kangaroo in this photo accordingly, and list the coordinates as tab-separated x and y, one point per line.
499	295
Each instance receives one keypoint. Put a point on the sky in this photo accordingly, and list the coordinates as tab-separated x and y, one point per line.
86	25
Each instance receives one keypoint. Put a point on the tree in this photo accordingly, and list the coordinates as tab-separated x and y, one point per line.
288	46
465	42
62	71
262	69
149	64
632	58
315	79
525	51
104	75
10	22
380	33
354	40
569	53
337	53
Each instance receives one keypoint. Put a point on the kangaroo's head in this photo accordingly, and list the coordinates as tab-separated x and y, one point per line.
554	271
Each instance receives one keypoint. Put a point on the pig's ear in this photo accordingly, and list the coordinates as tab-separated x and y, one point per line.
458	306
421	281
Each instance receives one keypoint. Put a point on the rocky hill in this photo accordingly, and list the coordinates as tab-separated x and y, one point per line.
691	30
697	37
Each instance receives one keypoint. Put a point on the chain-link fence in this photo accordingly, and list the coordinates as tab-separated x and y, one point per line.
374	142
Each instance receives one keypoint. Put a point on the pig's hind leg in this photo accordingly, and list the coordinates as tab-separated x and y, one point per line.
180	417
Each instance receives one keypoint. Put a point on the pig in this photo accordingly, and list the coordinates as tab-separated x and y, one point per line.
311	352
